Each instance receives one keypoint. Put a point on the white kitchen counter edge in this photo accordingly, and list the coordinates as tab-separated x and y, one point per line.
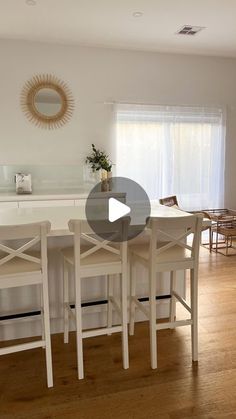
13	197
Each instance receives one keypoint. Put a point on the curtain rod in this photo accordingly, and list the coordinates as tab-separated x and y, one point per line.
159	104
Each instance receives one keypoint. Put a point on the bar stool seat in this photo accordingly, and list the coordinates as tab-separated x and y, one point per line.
100	257
21	266
171	256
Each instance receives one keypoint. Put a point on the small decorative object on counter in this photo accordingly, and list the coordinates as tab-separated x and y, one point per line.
99	160
23	183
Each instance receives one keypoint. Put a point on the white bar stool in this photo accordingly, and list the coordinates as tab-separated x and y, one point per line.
92	256
20	267
168	251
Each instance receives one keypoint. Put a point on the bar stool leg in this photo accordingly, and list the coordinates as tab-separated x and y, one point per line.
194	313
47	332
42	313
78	321
173	299
132	296
152	320
124	308
110	287
66	301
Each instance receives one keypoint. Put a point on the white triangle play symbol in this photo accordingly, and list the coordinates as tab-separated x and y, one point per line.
117	210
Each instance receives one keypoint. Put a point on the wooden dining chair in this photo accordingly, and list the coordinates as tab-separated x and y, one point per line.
171	201
21	266
168	251
93	256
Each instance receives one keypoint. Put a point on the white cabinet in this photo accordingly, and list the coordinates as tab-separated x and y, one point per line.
5	205
39	202
48	203
80	202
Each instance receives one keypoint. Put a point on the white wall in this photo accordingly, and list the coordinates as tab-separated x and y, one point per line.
97	75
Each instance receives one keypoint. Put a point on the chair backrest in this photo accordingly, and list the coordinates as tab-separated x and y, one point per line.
169	201
167	232
32	234
113	238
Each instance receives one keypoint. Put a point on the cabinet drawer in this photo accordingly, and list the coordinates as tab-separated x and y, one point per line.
79	202
8	205
48	203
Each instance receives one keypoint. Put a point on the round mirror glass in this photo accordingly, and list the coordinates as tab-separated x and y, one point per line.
48	102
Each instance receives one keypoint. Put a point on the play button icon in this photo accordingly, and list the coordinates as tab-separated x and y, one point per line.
117	210
127	201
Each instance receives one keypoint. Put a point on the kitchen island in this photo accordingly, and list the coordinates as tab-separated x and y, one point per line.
14	301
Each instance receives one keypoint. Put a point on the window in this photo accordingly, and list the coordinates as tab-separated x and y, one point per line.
172	150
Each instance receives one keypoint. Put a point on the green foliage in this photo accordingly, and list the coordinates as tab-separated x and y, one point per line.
98	159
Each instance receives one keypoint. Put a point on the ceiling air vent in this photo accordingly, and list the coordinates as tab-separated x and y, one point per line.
190	30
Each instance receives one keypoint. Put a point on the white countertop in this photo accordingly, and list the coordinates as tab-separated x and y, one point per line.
59	216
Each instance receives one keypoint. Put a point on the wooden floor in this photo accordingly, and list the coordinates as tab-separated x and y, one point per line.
177	390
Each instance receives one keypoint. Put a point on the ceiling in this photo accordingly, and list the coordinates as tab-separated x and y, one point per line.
110	23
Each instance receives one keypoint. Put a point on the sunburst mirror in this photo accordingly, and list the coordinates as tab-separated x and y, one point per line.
47	101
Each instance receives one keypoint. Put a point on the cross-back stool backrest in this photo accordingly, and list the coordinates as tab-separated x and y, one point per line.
113	238
32	234
167	232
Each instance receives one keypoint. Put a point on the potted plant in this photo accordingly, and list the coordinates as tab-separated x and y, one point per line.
99	160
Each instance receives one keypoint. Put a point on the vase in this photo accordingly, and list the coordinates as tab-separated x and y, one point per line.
104	181
109	180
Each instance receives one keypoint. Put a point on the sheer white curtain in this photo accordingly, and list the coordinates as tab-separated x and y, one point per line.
173	150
